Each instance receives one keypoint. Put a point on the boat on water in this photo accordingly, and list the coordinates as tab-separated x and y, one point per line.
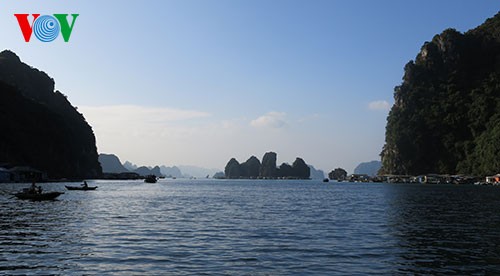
81	188
151	179
38	196
326	180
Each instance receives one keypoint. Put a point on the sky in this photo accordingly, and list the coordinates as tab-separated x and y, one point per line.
197	82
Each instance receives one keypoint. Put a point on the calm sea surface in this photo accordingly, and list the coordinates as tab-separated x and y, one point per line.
215	227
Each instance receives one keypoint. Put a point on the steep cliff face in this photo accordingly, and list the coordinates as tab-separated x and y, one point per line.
40	127
268	165
446	115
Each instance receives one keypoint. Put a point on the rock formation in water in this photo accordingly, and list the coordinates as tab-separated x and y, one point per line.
300	169
284	170
369	168
338	174
145	171
252	168
446	115
40	128
110	163
268	165
232	169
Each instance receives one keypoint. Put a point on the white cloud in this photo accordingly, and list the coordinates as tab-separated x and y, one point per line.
147	135
139	114
379	105
270	120
130	124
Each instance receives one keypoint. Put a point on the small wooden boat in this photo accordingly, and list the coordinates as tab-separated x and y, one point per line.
81	188
37	196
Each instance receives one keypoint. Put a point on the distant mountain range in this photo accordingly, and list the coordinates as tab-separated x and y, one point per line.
171	171
193	171
110	163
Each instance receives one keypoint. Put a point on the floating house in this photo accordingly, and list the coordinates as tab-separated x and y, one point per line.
494	179
26	174
358	178
434	179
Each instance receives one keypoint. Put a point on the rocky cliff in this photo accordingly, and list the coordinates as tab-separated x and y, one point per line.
110	163
252	168
40	128
268	166
446	115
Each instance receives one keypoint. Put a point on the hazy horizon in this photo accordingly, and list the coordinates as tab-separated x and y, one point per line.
200	82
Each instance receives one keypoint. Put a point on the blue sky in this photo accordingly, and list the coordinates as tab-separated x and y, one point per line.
199	82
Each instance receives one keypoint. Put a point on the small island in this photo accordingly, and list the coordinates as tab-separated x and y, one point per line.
254	169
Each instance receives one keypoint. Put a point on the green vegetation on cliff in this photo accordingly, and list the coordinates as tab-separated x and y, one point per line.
40	128
446	115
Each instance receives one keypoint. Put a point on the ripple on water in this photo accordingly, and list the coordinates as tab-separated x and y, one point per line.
252	228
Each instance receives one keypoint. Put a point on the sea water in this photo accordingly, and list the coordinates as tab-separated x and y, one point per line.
251	227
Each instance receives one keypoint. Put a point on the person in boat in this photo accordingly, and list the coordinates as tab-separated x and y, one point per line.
33	188
85	185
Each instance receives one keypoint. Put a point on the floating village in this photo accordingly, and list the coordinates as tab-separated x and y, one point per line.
426	179
26	174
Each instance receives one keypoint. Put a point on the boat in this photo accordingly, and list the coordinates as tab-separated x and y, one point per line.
38	196
81	188
326	180
151	179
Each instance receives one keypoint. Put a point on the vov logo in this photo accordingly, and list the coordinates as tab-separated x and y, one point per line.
46	27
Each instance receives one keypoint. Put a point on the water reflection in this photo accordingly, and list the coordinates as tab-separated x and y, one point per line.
447	229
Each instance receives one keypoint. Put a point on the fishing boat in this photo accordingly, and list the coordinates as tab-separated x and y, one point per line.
38	196
81	188
151	179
